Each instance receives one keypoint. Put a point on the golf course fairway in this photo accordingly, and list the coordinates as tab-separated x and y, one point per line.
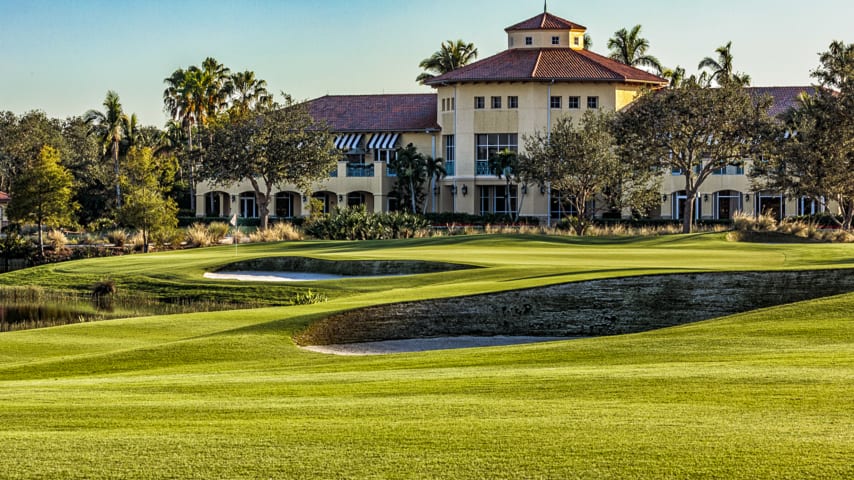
762	394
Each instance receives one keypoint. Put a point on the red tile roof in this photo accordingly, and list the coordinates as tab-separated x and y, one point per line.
545	21
784	98
377	113
561	64
4	197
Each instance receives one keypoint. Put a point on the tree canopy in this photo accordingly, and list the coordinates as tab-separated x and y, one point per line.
815	154
580	161
694	131
627	46
147	181
42	193
450	56
275	148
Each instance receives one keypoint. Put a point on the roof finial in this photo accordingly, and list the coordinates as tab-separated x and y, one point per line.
545	6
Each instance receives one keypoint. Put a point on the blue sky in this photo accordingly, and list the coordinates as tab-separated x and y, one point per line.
62	56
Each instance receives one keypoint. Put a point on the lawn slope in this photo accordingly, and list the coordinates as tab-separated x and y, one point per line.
227	395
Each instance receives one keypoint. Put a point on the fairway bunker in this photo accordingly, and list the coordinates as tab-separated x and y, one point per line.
583	309
304	269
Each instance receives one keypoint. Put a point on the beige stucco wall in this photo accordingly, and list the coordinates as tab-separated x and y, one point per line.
533	114
543	39
377	187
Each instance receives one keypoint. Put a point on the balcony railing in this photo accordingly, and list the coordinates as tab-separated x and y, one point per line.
450	168
482	167
360	170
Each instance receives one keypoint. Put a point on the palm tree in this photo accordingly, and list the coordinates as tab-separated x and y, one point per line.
675	75
133	133
194	95
451	56
722	68
434	168
109	126
630	48
588	41
505	163
249	93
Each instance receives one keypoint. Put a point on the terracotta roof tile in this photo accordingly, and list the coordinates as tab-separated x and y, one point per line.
545	64
545	21
377	113
4	197
784	98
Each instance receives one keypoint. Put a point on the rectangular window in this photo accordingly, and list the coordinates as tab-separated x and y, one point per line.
485	203
529	40
577	41
573	102
496	102
513	102
555	40
444	104
450	155
453	102
488	145
495	199
554	102
479	103
592	102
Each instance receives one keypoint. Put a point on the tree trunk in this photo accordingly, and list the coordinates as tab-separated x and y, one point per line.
688	214
144	239
192	174
847	207
412	194
430	195
264	211
41	240
520	201
118	176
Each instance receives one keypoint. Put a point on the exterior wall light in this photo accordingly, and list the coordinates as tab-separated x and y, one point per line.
706	197
664	198
340	198
453	189
465	189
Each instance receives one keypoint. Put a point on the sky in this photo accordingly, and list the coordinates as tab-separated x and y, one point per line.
63	56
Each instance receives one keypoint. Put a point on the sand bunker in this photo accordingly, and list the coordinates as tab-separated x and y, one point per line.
427	344
247	276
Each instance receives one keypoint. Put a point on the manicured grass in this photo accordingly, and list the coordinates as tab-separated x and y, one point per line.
767	394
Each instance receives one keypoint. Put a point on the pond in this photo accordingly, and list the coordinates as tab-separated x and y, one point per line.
27	316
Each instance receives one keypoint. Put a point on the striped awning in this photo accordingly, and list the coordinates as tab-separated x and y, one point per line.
348	141
383	141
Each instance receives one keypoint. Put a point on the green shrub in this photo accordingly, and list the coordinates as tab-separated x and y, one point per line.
309	297
57	240
117	237
217	231
198	235
356	223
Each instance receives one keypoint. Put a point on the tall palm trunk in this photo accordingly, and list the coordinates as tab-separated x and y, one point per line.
412	194
192	162
118	177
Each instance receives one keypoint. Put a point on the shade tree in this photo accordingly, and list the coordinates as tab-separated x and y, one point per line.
282	146
42	194
694	131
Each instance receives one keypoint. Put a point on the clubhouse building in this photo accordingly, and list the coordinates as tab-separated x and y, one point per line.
485	107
